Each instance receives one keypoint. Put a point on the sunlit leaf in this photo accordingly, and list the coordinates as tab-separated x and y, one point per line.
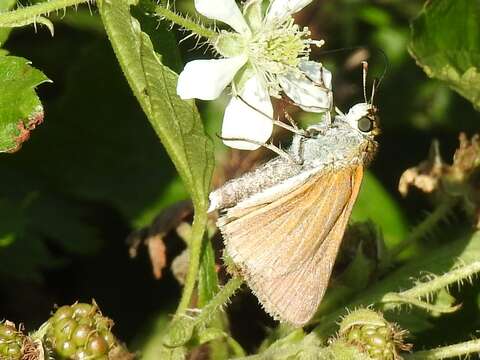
375	203
177	122
20	108
438	261
4	6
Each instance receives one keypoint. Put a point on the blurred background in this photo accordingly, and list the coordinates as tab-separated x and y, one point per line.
94	171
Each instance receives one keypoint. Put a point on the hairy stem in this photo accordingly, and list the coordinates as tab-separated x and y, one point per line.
30	13
398	299
220	299
444	281
425	289
184	22
447	352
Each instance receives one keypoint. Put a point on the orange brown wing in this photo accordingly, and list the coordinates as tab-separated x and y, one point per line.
286	249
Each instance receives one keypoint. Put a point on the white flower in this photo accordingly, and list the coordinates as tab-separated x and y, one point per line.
266	55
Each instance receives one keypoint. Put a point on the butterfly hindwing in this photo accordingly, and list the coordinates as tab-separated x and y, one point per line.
286	248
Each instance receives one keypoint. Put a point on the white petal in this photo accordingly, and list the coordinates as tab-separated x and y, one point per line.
206	79
280	9
306	93
225	11
317	73
252	121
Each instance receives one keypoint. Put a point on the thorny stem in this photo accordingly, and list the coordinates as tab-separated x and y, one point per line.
220	299
446	352
182	327
398	299
423	290
30	13
422	229
184	22
444	281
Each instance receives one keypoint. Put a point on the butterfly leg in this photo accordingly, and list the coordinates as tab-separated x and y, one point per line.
292	127
296	148
277	150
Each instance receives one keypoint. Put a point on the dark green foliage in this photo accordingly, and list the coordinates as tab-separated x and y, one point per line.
117	147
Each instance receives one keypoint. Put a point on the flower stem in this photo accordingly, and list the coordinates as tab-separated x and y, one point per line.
195	248
30	13
446	352
185	23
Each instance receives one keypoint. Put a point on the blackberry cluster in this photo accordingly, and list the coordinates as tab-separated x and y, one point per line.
80	332
373	335
11	342
375	341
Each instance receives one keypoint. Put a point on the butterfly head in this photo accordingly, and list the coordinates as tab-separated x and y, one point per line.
363	118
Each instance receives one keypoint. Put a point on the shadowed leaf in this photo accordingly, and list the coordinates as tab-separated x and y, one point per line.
446	44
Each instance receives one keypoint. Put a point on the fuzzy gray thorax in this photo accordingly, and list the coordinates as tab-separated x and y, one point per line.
329	147
336	146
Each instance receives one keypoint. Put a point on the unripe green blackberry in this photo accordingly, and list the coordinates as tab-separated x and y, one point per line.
11	341
80	332
372	335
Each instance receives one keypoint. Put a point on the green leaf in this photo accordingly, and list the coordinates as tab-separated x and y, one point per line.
175	121
149	341
20	108
207	288
446	44
375	203
81	19
207	276
438	261
11	221
28	221
97	150
5	5
353	280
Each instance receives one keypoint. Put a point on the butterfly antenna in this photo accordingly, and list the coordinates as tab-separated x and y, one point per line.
386	67
374	87
365	71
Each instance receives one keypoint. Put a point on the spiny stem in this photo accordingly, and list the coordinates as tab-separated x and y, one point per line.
446	352
182	326
28	13
399	299
219	300
424	289
422	229
184	22
443	281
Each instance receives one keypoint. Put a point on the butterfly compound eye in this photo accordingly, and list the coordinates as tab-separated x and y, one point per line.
365	124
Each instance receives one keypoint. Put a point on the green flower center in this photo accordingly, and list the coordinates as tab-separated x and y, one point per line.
279	48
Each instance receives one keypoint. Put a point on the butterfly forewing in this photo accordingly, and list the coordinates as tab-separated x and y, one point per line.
286	248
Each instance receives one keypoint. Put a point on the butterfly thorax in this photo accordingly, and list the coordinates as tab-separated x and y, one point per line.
338	146
335	146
